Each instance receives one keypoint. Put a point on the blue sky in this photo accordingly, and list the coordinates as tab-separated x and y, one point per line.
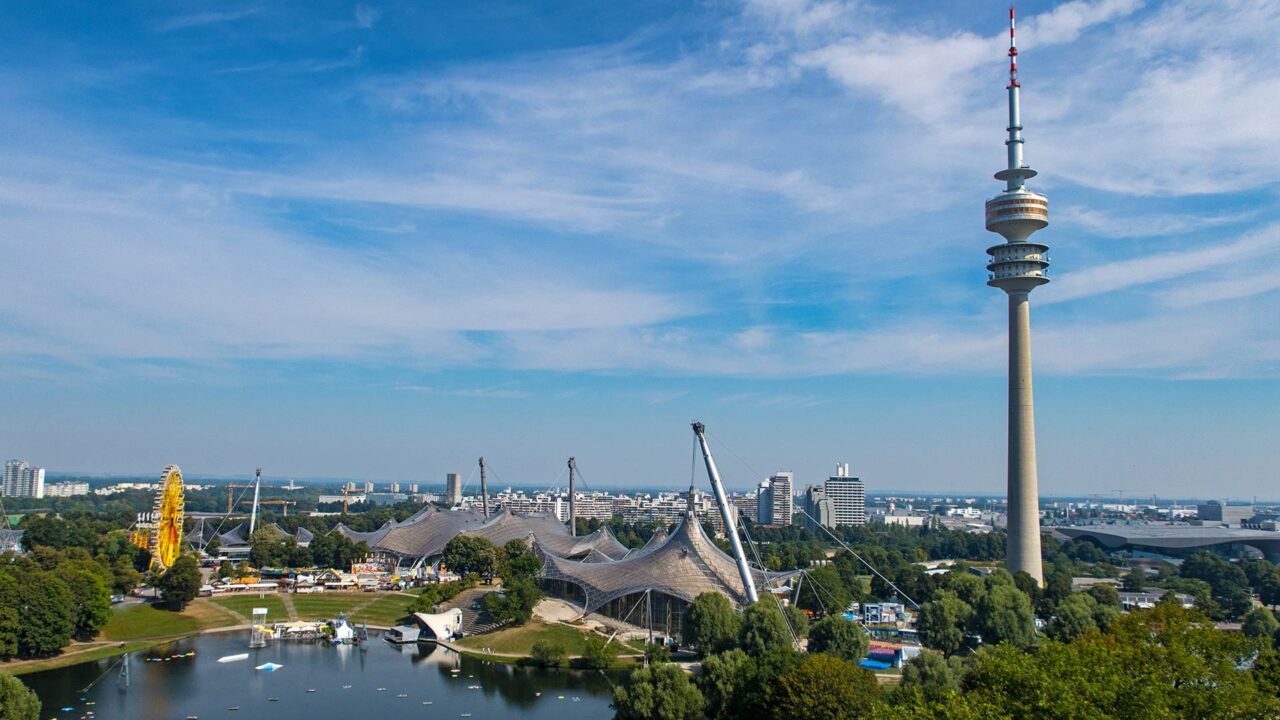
378	240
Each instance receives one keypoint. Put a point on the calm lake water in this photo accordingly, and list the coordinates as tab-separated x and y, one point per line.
316	682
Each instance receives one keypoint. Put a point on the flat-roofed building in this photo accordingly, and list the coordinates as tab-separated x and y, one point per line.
776	505
817	508
848	498
1219	511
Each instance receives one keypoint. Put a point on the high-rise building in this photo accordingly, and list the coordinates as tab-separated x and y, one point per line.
413	487
1017	267
748	506
453	488
848	498
395	487
368	487
22	480
774	500
817	508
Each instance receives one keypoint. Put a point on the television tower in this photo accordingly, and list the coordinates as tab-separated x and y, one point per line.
1018	266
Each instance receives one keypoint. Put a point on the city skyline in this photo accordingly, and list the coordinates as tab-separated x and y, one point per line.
390	239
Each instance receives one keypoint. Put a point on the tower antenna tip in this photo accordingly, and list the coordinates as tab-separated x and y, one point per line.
1013	52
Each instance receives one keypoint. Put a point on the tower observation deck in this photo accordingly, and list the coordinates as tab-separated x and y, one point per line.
1018	266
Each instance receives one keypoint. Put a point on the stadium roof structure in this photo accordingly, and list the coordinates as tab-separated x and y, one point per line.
425	534
683	565
238	536
1175	538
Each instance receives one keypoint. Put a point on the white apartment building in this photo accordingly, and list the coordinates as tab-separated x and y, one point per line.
848	498
22	480
66	489
776	506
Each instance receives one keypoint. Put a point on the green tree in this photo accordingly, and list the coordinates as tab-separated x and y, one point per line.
763	628
268	549
1057	588
9	627
466	554
522	565
1075	617
797	620
943	621
17	701
335	550
1264	577
834	635
723	676
929	676
1260	623
597	653
90	596
711	624
515	604
822	686
42	604
124	577
657	652
56	533
1027	584
547	654
1106	594
662	692
1004	615
180	584
823	590
965	585
1135	580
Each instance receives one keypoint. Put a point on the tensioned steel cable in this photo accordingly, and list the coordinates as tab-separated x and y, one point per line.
825	529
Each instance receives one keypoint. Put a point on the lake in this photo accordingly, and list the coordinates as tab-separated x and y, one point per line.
317	681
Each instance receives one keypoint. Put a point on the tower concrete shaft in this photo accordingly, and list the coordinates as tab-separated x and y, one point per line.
1018	266
1023	550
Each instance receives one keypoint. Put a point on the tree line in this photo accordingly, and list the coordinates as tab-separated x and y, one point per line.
1164	663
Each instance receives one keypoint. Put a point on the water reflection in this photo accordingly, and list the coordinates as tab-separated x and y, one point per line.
316	681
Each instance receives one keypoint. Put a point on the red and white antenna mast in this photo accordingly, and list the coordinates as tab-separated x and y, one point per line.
1013	52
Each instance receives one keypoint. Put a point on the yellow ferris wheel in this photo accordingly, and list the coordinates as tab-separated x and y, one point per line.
160	530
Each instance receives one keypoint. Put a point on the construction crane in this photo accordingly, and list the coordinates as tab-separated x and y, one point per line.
284	504
231	495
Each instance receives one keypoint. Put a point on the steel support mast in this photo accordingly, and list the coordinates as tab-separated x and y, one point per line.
730	529
573	499
253	516
484	490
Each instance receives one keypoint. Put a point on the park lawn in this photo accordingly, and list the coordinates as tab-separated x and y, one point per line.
147	620
385	611
75	658
244	605
519	640
327	606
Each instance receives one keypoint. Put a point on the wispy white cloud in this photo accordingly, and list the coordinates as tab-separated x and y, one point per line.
1140	226
1158	267
182	22
366	15
811	140
489	393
